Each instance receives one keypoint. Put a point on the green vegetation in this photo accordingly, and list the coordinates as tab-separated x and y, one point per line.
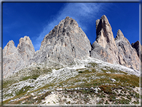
7	83
91	64
122	101
23	90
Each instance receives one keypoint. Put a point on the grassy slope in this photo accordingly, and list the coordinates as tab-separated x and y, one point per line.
116	86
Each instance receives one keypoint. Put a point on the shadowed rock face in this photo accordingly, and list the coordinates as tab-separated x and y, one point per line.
17	58
116	51
64	43
138	48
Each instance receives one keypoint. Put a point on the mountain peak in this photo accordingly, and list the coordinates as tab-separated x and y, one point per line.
104	32
26	40
119	35
104	18
11	42
25	48
65	42
9	48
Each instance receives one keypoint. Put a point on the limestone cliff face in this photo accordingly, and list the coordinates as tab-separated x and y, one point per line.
67	42
11	59
25	48
127	55
9	48
116	51
105	45
64	43
16	58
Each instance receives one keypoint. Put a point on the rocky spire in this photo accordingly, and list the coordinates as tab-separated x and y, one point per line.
104	32
119	35
17	58
11	59
116	51
104	40
25	48
9	48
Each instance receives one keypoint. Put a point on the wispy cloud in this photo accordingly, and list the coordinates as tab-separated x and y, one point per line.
82	12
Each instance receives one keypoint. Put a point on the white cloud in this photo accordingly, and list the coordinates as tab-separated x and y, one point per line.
82	12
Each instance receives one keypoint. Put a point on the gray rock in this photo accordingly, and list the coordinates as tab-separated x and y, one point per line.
9	48
67	42
64	43
16	58
116	51
100	53
25	48
126	54
11	59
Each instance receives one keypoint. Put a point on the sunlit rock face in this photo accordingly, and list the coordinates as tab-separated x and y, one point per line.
63	44
17	58
126	53
104	47
67	42
116	51
25	48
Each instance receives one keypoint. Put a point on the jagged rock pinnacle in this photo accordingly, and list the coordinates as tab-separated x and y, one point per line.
104	32
17	58
9	48
105	40
25	48
118	50
119	35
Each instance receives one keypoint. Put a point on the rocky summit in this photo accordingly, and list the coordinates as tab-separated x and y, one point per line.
63	44
104	47
14	58
67	42
114	50
68	69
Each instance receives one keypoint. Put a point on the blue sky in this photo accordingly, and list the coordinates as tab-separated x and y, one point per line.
38	19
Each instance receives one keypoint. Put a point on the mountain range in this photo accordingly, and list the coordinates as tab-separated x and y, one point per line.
68	69
67	42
